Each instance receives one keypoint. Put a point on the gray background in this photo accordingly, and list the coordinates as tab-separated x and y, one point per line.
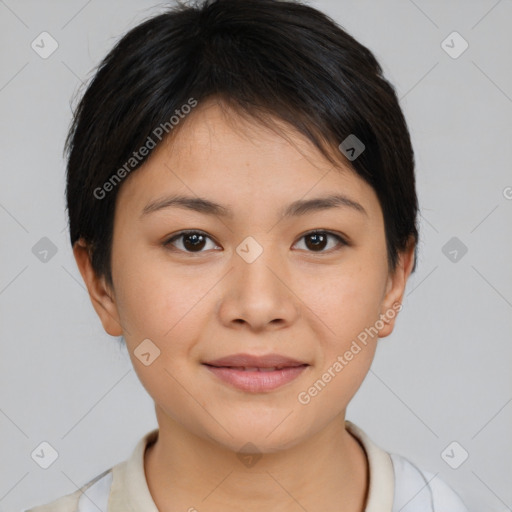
445	373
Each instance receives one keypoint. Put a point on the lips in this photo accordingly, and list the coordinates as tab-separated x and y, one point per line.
248	362
254	369
256	374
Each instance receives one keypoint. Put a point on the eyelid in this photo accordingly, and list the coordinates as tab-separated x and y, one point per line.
168	241
342	239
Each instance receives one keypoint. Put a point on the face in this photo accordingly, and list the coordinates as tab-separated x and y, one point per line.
250	277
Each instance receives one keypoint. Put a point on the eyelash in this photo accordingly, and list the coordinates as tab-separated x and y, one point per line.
341	240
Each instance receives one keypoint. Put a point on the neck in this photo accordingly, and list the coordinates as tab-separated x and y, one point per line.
327	472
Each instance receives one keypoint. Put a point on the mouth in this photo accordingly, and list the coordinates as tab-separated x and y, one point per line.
255	369
256	374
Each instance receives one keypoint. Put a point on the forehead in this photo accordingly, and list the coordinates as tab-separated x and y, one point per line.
217	153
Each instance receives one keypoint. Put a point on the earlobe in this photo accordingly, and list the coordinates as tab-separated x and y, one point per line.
102	297
395	289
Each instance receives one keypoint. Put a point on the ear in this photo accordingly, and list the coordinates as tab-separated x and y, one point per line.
395	289
102	297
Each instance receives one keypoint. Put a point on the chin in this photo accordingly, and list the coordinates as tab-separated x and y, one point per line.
258	437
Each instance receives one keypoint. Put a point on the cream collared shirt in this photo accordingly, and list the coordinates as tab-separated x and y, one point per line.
395	485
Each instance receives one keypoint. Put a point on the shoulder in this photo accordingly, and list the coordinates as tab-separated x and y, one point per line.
91	496
417	490
66	503
121	487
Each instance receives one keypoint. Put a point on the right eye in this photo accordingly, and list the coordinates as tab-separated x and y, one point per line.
191	241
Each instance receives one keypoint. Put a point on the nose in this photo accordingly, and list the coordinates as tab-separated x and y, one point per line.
258	295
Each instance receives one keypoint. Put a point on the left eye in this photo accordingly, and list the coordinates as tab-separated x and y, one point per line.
317	240
195	241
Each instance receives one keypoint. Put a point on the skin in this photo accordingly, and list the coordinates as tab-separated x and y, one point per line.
294	300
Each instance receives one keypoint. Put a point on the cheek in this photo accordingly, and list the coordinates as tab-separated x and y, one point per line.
345	309
168	305
159	306
346	298
151	299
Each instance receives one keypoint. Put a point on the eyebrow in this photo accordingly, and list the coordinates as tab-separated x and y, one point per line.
295	209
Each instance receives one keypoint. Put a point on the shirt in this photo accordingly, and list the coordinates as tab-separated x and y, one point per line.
395	485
